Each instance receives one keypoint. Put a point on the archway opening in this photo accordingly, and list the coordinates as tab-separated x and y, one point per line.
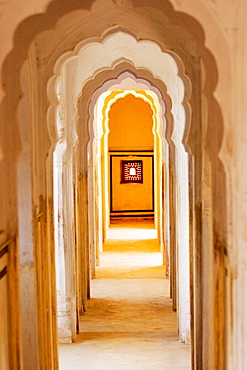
94	155
131	157
44	221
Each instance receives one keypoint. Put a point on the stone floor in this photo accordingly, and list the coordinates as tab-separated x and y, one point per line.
129	324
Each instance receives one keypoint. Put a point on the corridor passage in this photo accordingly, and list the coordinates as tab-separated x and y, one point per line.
129	324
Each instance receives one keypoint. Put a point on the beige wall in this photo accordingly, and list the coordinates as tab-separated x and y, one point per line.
220	42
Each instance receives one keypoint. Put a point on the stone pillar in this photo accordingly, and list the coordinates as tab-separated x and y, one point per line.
28	306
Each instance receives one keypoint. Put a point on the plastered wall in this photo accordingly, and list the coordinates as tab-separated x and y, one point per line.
129	199
130	125
223	39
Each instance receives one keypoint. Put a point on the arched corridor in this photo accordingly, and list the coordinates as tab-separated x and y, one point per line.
122	108
130	323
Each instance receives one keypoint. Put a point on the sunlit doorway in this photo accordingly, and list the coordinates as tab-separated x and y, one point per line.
130	319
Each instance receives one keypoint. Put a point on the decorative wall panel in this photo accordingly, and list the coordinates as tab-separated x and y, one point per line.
131	172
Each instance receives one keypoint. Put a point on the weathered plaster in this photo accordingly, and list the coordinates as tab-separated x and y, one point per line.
214	31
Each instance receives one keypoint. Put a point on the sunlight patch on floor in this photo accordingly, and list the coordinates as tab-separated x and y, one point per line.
132	230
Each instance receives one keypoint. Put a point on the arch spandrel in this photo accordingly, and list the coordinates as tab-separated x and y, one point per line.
104	79
164	13
58	19
166	70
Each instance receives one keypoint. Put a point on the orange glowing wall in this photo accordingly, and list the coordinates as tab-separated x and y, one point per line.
130	124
